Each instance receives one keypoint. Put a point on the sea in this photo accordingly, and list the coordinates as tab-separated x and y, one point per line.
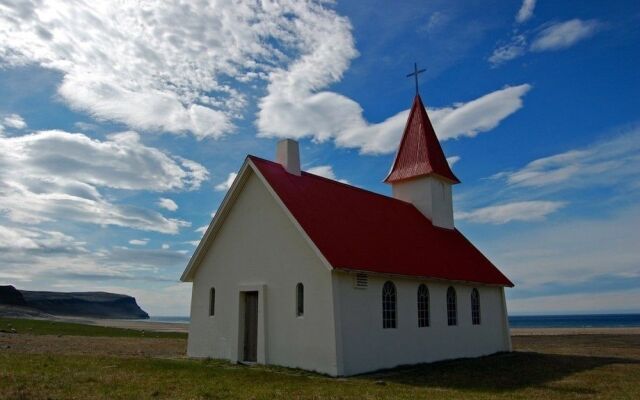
522	321
169	319
575	321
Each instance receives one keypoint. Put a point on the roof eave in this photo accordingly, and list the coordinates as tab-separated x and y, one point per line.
423	277
216	223
454	180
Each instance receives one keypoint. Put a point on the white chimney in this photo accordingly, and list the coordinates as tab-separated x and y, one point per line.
288	155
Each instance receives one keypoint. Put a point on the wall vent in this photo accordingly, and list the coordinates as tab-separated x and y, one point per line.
361	281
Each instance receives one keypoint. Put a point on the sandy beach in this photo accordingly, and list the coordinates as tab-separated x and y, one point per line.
184	327
142	325
575	331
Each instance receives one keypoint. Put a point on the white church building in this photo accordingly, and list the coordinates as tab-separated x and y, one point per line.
302	271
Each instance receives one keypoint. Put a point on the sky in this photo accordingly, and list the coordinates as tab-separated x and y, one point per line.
122	125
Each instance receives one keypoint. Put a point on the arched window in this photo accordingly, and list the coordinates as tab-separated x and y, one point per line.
299	299
212	302
452	307
475	307
423	306
388	305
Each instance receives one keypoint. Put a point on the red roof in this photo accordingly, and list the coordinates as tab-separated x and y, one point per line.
360	230
419	152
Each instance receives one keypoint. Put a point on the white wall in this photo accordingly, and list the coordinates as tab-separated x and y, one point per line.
431	195
259	248
366	346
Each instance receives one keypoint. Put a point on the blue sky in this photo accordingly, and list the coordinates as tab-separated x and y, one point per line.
120	129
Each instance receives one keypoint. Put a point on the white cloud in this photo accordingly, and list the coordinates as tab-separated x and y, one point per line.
570	252
168	204
85	126
14	121
479	115
53	175
452	160
226	185
515	211
29	205
21	239
610	162
556	36
590	303
516	47
120	162
139	242
201	230
326	171
165	246
175	66
156	110
437	20
197	172
328	115
564	34
526	10
44	259
166	62
575	253
16	238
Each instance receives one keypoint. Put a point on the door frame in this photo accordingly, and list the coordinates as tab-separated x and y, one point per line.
261	340
250	339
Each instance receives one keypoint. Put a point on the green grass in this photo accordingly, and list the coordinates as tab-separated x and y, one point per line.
553	367
43	327
512	376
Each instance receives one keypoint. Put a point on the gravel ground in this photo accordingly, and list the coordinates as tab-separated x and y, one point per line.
79	345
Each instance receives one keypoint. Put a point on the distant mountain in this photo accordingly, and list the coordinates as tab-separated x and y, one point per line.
74	304
11	296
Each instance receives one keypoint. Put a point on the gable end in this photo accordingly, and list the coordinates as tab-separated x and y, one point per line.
218	220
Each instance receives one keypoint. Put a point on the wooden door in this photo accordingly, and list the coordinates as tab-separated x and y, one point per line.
250	326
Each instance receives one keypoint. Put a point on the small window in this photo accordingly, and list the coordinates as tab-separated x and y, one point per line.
423	306
212	302
299	299
389	306
452	307
475	307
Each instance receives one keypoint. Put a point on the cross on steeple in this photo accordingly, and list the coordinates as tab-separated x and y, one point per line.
415	74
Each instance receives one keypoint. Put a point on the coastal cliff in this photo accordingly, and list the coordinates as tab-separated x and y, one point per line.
74	304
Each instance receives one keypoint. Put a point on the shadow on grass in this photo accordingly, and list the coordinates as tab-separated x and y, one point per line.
496	373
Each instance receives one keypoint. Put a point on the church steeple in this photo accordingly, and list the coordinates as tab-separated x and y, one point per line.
419	153
420	173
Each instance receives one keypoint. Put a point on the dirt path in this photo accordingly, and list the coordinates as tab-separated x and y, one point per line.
111	346
142	325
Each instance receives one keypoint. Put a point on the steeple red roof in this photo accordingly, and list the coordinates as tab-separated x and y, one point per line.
419	153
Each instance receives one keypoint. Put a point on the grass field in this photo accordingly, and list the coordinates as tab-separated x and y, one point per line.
109	364
44	327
